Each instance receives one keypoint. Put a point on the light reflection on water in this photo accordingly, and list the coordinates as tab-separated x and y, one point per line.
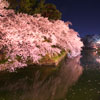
88	86
90	60
40	83
76	79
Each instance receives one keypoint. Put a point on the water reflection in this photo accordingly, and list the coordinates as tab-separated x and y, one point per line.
90	59
88	86
40	83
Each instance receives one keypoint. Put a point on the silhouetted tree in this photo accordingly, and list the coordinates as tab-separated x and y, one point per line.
51	12
24	6
35	7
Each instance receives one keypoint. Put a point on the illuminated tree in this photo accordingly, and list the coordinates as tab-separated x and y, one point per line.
26	38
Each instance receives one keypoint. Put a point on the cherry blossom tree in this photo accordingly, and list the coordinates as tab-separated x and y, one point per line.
24	37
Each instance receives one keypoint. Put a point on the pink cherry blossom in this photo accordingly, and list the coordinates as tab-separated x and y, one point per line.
34	36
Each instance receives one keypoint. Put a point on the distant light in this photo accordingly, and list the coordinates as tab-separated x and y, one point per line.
98	42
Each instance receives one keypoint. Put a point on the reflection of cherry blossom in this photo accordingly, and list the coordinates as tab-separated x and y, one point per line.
27	36
46	84
98	60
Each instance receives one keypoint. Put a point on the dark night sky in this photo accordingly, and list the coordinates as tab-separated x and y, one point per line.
84	14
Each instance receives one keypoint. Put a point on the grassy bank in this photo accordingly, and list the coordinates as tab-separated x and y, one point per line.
53	60
46	60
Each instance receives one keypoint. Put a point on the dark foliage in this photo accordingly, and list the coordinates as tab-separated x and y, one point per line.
32	7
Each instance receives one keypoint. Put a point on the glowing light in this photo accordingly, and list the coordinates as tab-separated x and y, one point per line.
98	42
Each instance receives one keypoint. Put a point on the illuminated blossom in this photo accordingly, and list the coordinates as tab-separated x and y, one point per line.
29	37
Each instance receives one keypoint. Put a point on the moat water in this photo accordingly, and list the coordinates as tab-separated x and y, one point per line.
75	79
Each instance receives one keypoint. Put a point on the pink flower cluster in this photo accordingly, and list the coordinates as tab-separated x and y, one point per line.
27	36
